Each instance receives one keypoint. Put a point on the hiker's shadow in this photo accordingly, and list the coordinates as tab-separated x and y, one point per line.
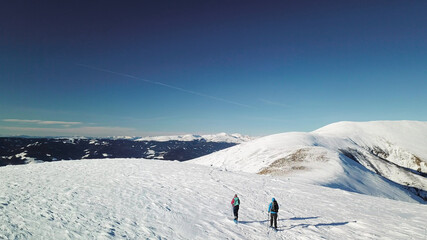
302	218
306	225
278	220
262	221
302	225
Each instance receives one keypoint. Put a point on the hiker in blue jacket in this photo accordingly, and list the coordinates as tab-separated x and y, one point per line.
235	204
273	209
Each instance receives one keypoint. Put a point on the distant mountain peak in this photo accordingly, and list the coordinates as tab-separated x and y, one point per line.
220	137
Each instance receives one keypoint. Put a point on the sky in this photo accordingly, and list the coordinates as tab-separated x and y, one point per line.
145	68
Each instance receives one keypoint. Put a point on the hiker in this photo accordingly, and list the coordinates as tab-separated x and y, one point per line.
235	203
273	209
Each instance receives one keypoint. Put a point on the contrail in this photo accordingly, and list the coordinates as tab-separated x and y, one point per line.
165	85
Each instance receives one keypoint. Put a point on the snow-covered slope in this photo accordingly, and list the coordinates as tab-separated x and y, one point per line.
402	142
360	157
220	137
146	199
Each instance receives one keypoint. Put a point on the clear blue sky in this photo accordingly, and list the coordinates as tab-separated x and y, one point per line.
102	68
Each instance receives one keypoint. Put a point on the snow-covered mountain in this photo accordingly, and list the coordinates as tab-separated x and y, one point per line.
145	199
380	158
220	137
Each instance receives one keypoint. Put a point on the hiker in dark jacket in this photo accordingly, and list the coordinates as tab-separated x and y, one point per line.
273	209
235	203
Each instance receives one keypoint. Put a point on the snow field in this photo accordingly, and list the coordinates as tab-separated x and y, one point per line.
146	199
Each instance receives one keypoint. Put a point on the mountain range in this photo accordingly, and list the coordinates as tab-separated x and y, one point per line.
380	158
347	180
22	150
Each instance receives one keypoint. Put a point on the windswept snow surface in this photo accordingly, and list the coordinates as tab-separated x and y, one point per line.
375	158
146	199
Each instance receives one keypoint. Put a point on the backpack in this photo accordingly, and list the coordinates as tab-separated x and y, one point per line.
236	201
274	207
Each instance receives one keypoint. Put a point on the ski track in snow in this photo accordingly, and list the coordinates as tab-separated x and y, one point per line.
146	199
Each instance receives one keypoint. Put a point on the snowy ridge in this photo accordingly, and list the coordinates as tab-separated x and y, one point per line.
360	157
399	140
220	137
145	199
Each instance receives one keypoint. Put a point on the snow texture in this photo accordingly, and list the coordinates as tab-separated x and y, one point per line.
146	199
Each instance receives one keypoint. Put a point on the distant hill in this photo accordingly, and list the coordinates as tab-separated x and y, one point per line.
379	158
